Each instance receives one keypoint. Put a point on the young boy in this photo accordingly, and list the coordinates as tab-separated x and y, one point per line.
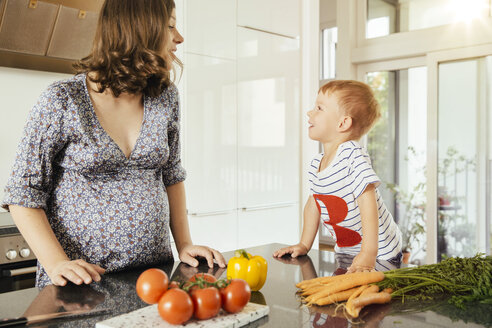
344	192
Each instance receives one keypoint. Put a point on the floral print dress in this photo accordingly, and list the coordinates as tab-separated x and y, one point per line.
103	207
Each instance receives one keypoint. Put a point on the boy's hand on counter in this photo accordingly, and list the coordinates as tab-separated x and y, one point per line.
77	271
294	251
362	263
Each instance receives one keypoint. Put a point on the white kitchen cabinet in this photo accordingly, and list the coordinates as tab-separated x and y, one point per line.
210	150
276	16
210	145
268	225
268	137
211	28
240	130
218	231
268	115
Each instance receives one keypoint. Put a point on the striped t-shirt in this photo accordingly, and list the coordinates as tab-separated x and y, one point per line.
336	189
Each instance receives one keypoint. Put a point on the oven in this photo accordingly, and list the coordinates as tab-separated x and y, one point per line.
17	261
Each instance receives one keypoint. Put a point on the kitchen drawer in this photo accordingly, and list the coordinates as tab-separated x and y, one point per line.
218	231
27	30
272	223
78	43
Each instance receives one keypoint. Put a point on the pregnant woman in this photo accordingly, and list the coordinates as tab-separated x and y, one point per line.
97	184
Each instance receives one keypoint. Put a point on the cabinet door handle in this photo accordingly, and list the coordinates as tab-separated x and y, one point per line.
267	206
211	213
273	33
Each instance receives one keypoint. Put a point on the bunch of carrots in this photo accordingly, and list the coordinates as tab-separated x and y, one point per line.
465	280
357	289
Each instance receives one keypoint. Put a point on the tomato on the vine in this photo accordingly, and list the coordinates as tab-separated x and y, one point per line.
235	296
206	302
151	284
205	276
199	280
175	306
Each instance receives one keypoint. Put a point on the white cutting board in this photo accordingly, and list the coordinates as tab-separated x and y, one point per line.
149	317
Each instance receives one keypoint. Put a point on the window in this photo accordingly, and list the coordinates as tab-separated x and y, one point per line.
397	146
327	72
441	37
464	156
328	50
392	16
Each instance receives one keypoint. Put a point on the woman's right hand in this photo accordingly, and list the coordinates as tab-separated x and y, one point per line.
76	271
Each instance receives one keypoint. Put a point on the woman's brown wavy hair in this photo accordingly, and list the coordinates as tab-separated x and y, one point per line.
128	52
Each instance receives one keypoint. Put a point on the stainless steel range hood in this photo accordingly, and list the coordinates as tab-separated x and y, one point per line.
47	35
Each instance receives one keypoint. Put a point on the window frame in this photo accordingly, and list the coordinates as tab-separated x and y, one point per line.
433	62
357	55
418	42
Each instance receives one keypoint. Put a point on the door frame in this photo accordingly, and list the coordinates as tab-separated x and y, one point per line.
434	59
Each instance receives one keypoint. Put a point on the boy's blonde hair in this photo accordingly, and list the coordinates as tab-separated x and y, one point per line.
357	100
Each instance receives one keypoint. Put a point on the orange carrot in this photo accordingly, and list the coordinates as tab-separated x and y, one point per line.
350	280
320	280
370	289
313	289
372	298
358	292
358	303
338	297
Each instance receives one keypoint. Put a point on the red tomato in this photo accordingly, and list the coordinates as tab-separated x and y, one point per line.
235	296
151	284
206	276
206	302
175	306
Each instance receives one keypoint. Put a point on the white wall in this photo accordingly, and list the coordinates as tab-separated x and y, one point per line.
19	91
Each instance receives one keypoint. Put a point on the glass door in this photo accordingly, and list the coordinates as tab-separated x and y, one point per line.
463	157
397	146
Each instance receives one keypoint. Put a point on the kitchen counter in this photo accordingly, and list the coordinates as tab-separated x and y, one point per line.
116	292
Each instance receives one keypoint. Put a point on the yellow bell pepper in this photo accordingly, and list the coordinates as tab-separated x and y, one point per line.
252	269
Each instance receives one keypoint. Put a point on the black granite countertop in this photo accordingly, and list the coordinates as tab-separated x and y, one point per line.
116	292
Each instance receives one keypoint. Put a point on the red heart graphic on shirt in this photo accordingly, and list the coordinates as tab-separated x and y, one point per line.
337	211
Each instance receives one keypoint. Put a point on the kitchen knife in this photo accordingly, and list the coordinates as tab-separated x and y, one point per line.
50	316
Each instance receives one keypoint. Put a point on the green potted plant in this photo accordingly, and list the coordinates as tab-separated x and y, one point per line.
411	206
411	203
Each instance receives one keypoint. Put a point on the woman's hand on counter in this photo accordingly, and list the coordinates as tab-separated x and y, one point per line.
76	271
184	272
189	253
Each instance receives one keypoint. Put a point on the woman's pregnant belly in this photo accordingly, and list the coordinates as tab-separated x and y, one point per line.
116	220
